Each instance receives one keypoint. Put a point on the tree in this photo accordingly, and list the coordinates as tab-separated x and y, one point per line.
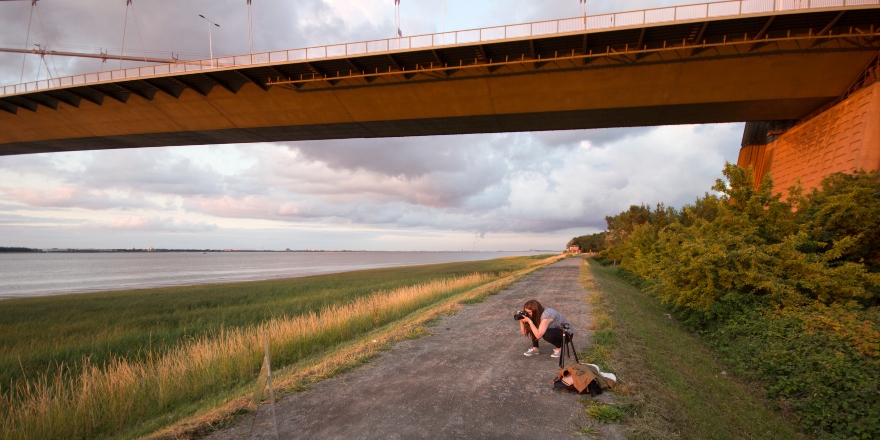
753	246
848	205
589	243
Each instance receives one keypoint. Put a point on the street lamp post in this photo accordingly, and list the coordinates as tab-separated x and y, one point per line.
210	43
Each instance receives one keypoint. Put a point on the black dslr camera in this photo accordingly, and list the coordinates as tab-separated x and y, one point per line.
520	314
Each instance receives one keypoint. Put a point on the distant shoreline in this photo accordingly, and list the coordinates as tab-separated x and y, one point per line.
33	274
68	250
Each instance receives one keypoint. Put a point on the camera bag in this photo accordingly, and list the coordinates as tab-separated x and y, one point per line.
581	378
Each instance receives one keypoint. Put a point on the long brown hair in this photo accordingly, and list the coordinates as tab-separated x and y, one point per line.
537	310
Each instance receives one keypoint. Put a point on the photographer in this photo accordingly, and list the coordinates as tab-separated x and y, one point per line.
550	327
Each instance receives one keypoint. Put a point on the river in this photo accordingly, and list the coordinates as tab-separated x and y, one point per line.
53	273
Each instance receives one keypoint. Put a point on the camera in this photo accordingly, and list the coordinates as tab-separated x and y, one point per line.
520	314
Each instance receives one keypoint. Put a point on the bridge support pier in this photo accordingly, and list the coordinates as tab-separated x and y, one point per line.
842	138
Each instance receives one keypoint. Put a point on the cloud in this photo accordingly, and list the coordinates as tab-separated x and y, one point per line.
160	28
121	179
501	183
513	183
75	197
153	224
10	217
389	156
377	193
148	170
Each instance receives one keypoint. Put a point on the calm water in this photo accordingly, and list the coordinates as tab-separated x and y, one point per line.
37	274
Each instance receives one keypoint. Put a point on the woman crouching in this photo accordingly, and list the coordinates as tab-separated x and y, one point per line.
550	327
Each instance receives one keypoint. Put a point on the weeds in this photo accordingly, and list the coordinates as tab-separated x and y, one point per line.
584	426
604	413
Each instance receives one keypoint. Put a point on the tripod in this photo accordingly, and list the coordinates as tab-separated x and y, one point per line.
567	346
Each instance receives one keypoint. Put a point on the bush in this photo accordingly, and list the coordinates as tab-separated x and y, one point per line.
589	243
787	290
821	361
754	245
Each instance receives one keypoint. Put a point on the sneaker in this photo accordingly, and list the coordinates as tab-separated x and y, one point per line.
532	351
556	353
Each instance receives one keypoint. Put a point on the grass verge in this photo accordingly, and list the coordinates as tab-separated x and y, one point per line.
670	384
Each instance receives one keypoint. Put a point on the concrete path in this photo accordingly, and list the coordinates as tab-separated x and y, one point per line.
468	379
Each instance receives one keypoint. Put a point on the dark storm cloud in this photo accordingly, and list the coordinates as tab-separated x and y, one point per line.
410	157
464	155
436	171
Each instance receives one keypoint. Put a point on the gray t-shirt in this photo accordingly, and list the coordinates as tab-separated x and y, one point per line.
558	319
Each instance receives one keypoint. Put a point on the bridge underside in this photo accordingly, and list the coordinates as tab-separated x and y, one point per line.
501	123
745	69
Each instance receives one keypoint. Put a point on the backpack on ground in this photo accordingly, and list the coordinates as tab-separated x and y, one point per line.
583	378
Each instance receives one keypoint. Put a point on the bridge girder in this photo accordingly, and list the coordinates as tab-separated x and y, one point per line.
847	39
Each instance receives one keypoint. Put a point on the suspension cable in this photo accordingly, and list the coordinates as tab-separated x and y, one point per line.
250	28
46	37
27	40
48	73
124	26
134	17
39	68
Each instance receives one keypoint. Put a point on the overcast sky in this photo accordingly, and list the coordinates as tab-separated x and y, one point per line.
513	191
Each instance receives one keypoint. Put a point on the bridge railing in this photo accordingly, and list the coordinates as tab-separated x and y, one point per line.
525	30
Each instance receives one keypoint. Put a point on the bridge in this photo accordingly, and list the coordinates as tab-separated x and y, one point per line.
730	61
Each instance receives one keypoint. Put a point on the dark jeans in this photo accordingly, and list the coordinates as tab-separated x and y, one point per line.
552	335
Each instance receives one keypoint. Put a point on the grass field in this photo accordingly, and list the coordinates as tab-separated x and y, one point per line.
670	384
96	365
37	334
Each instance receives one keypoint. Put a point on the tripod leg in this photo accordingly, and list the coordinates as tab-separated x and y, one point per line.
562	352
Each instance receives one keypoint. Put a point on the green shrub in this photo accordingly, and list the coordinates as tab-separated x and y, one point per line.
603	261
822	361
788	290
755	243
589	243
632	278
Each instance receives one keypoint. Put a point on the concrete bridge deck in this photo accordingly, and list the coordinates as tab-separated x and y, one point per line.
781	64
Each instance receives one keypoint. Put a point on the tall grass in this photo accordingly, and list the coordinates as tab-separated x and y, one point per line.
39	334
108	399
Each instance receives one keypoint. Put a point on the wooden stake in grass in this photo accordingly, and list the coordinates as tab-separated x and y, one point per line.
269	382
264	380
